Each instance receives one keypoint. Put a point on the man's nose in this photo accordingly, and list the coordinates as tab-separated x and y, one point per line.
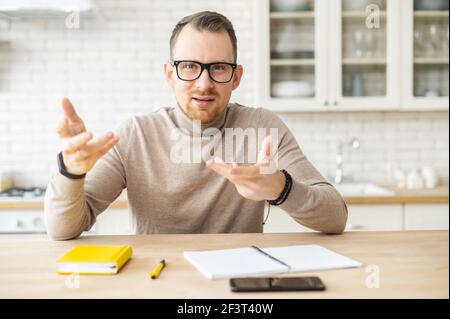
204	81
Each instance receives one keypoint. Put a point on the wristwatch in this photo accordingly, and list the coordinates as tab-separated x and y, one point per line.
63	171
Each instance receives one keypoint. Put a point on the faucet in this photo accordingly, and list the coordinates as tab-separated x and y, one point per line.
354	143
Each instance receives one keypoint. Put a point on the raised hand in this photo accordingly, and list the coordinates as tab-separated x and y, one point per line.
80	151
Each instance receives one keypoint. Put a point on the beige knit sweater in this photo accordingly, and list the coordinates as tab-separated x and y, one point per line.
166	196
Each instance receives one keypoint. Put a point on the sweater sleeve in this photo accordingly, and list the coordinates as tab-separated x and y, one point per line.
313	201
71	206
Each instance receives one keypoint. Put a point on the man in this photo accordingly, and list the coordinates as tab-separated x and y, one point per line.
206	196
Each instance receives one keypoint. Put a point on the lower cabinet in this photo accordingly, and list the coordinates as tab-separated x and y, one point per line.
360	218
114	221
375	217
420	217
391	217
281	222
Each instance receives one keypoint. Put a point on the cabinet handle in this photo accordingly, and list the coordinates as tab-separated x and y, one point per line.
37	222
334	103
326	103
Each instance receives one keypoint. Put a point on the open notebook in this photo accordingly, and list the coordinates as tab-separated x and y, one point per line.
253	261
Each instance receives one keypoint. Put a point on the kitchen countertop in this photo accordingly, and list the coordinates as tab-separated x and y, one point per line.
437	195
415	267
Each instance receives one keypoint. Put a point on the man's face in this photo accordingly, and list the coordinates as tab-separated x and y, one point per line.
202	99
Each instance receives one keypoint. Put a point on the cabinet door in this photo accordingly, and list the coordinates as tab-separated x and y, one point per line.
375	218
292	66
115	222
426	217
425	39
22	221
280	222
364	66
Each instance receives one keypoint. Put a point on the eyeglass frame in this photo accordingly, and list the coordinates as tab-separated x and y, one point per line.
204	66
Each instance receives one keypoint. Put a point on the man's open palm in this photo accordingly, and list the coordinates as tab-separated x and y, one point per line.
80	152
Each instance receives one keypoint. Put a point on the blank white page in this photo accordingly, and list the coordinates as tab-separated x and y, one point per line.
236	262
310	258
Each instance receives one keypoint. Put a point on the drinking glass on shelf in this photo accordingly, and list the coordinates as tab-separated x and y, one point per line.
444	41
433	40
371	43
359	43
420	46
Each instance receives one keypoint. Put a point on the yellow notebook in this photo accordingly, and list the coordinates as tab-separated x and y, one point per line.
94	259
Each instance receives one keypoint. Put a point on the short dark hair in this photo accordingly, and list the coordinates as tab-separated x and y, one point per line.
205	20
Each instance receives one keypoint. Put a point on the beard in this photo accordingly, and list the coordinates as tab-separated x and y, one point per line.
207	113
204	115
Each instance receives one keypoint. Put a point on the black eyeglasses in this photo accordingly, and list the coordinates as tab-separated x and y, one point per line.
220	72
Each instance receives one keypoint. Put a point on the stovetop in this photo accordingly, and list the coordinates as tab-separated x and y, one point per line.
19	193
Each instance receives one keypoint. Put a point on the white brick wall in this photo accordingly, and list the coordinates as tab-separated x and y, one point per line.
112	68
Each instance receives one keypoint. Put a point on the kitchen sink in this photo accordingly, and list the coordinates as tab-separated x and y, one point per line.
362	189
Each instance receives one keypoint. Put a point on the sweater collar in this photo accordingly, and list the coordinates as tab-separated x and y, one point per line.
184	122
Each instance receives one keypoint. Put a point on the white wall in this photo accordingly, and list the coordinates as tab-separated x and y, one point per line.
112	67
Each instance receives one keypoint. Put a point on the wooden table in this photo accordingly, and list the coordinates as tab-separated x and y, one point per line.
410	265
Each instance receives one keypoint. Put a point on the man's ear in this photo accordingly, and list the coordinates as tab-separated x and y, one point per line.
168	73
237	76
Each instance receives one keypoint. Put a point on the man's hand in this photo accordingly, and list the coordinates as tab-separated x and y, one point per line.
79	152
250	181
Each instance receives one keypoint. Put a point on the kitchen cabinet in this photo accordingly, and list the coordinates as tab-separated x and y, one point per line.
346	55
360	218
114	221
426	217
24	221
27	221
292	55
373	217
280	222
424	63
363	66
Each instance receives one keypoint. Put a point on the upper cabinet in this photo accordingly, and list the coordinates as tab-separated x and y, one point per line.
424	62
321	55
292	62
363	68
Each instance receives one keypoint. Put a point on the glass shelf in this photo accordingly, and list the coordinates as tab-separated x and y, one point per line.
362	61
359	14
430	14
430	60
292	15
287	62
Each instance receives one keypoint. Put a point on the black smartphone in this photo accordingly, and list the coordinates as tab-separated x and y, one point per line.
276	284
